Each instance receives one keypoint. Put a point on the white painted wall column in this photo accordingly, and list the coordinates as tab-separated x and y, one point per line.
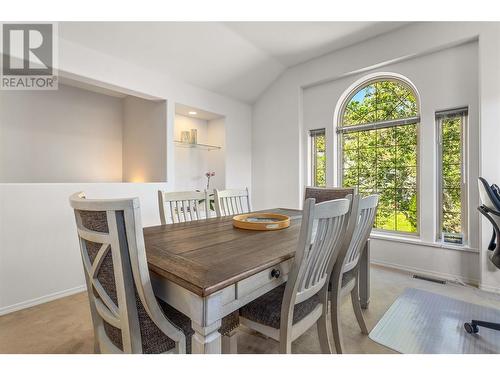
489	96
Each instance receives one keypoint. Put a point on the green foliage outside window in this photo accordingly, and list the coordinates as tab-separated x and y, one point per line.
320	160
383	160
451	175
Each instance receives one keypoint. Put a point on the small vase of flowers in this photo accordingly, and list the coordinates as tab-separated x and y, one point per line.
211	201
209	175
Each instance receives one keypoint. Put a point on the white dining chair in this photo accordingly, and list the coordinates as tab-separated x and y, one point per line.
289	310
232	202
345	275
126	316
182	206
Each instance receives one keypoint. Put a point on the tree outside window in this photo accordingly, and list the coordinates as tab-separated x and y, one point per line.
379	143
318	157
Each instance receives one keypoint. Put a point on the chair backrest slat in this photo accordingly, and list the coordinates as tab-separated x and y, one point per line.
184	210
197	210
367	212
322	234
232	202
178	207
329	232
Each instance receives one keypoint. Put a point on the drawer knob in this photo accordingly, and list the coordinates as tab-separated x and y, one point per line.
275	273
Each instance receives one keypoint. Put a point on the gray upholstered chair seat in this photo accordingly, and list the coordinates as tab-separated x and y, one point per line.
155	341
229	323
266	309
348	276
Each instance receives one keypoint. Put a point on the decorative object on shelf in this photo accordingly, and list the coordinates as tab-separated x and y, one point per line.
261	221
185	137
194	136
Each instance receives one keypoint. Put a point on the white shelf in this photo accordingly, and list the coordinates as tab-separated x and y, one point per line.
197	145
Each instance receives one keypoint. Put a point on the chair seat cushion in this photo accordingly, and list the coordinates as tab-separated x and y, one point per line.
229	323
154	341
348	276
178	319
266	309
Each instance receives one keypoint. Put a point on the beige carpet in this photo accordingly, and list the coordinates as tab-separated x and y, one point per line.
63	326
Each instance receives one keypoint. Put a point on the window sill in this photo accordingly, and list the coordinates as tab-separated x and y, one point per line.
419	242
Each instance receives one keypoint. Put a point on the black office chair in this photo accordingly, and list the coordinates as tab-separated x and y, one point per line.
490	208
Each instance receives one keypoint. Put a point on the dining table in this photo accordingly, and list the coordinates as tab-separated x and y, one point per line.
207	269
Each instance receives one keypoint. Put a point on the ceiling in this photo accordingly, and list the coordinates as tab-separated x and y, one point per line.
236	59
188	111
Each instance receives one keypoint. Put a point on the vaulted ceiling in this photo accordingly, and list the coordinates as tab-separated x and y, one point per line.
237	59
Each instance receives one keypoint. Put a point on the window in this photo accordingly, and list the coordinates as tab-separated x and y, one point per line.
318	157
378	150
451	126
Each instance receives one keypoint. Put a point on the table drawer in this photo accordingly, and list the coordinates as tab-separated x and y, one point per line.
272	275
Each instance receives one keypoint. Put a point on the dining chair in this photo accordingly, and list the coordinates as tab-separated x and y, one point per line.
322	194
126	315
232	202
289	310
182	206
345	275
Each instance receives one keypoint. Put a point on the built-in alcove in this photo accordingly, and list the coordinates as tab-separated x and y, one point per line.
193	159
81	133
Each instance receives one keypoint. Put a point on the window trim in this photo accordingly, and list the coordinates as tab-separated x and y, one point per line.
378	125
339	130
313	133
353	90
462	112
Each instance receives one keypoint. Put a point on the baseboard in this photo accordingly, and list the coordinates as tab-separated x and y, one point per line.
488	288
441	275
37	301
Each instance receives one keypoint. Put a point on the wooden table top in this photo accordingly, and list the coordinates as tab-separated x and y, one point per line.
205	256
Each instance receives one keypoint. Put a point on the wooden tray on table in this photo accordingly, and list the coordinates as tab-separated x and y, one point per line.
261	221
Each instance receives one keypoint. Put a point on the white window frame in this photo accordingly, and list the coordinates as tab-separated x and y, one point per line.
340	130
440	116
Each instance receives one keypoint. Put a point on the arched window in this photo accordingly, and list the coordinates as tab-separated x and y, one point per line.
377	129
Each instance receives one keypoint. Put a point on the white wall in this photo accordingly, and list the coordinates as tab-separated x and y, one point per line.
39	255
144	140
217	158
39	258
68	135
278	128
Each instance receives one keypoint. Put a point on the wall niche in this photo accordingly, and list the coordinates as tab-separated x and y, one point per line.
195	157
81	133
